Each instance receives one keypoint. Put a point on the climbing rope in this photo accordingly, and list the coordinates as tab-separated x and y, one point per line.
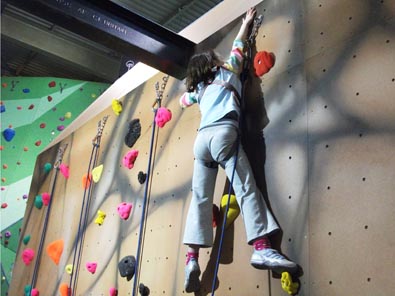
58	161
156	105
84	214
243	77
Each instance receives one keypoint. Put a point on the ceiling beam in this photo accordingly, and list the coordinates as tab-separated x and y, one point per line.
117	28
49	43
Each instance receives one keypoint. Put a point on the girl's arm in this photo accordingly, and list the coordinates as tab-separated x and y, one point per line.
242	35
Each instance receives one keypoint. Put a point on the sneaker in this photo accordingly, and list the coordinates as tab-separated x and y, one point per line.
271	259
192	273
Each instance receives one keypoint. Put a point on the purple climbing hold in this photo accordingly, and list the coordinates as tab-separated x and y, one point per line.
7	234
60	127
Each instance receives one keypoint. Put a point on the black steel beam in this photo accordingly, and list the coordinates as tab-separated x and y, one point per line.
117	28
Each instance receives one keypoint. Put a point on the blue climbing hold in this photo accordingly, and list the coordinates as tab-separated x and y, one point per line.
8	134
2	108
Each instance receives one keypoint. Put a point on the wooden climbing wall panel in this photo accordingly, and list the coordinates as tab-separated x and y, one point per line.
319	134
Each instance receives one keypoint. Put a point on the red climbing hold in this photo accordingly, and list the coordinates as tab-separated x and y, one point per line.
37	143
42	125
4	205
130	158
91	267
31	107
49	98
52	84
27	256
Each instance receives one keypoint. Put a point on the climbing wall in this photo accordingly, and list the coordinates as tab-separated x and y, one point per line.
319	133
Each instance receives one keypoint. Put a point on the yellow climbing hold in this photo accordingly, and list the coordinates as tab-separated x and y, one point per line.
96	173
116	106
67	115
233	211
288	286
100	217
69	268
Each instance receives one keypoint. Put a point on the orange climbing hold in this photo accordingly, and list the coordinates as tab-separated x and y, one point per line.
55	250
86	180
64	289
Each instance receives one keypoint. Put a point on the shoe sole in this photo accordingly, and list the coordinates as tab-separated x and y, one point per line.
276	268
193	284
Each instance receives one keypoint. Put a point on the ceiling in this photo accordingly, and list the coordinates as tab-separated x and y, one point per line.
33	45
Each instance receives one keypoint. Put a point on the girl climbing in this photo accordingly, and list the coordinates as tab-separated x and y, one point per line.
215	86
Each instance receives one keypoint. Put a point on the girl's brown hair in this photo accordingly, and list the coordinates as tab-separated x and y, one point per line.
200	69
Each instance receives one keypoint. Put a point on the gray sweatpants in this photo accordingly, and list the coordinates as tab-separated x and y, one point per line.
217	144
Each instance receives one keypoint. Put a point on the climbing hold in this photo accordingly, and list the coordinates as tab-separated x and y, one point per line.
19	107
69	268
61	118
5	166
26	239
26	90
52	84
64	289
134	132
130	158
215	215
64	169
27	256
113	292
60	128
25	149
47	167
141	177
67	115
25	196
86	180
31	107
124	210
287	284
42	125
100	217
4	205
163	115
37	143
35	292
96	173
91	267
8	134
28	290
38	202
116	106
55	250
2	108
7	234
126	267
46	197
143	290
263	62
233	210
49	98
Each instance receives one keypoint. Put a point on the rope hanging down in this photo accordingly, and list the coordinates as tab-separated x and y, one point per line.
58	161
83	221
243	77
155	106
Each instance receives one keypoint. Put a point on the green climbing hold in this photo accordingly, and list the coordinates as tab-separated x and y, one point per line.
28	290
47	167
38	202
26	239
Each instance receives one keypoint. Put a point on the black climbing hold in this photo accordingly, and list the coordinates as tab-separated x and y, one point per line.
142	177
126	267
133	133
143	290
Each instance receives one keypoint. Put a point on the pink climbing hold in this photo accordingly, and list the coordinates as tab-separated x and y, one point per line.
46	197
130	158
113	292
163	115
4	205
64	169
34	292
27	256
91	267
124	210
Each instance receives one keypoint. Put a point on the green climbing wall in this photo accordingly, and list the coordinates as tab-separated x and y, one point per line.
34	111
